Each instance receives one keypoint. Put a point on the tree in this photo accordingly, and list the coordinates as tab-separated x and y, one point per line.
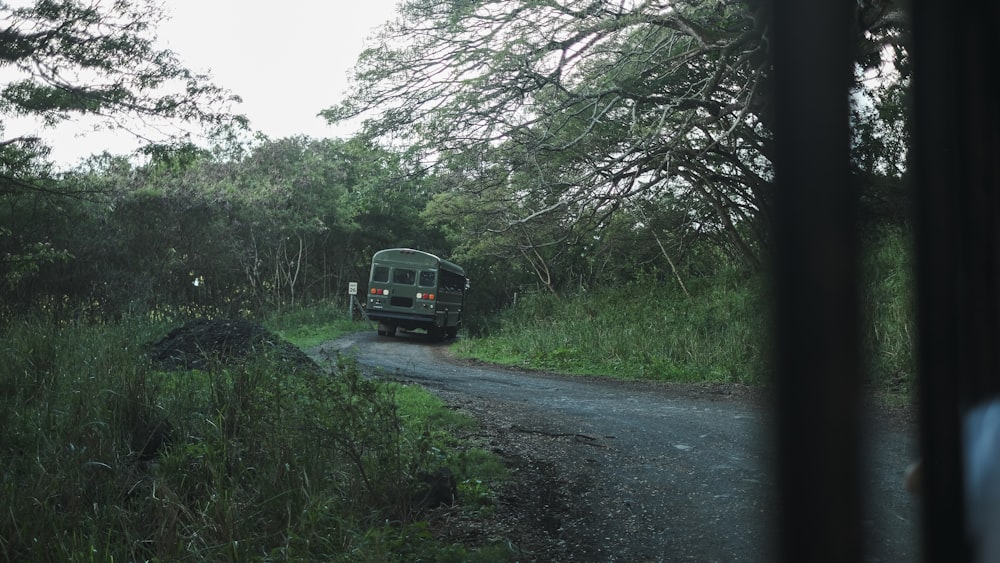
293	220
74	58
590	106
98	59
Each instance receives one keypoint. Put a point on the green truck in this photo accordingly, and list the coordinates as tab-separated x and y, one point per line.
412	289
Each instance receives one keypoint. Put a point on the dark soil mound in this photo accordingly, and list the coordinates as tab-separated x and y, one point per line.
204	344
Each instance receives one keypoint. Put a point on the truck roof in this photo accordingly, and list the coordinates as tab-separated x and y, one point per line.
415	257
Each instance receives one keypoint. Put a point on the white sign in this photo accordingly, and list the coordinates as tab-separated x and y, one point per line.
352	288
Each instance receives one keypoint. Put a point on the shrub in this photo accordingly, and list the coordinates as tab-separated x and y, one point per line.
107	457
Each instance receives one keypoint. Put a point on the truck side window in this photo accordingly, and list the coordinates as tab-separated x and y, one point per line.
380	274
427	279
452	282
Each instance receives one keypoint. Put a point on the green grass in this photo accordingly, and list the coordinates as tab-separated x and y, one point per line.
261	462
312	325
889	321
718	333
640	331
266	463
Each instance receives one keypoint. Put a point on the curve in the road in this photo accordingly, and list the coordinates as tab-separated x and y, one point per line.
677	476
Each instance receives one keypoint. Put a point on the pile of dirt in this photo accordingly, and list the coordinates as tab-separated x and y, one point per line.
204	344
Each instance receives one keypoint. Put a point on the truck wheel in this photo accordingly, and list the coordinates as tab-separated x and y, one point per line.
436	334
386	329
452	332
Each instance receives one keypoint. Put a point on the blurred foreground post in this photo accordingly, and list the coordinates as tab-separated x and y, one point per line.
816	279
956	180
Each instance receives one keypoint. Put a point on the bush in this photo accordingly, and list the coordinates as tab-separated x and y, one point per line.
719	333
106	457
644	330
889	326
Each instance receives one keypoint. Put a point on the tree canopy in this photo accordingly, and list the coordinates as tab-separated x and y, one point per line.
294	220
64	59
556	144
554	115
188	228
68	58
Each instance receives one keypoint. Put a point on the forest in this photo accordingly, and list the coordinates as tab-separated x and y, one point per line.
549	147
602	170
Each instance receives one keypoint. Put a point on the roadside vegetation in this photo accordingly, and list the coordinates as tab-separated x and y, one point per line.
108	456
643	330
311	325
714	329
614	219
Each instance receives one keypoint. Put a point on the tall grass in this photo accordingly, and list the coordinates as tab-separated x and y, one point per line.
103	457
889	311
719	333
645	330
314	324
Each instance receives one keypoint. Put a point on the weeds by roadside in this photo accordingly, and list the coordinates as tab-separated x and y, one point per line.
717	333
105	457
642	331
311	325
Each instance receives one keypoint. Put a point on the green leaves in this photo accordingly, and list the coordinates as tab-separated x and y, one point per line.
79	58
565	111
291	220
52	104
562	112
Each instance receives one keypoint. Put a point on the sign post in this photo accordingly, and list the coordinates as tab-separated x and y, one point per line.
352	292
353	301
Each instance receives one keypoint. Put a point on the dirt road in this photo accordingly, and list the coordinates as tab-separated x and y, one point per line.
613	471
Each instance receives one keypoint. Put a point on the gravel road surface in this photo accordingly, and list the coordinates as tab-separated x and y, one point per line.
624	471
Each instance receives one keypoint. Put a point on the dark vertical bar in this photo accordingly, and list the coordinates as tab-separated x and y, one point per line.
816	285
955	158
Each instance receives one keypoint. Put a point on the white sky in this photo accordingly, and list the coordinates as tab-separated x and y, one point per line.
288	60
